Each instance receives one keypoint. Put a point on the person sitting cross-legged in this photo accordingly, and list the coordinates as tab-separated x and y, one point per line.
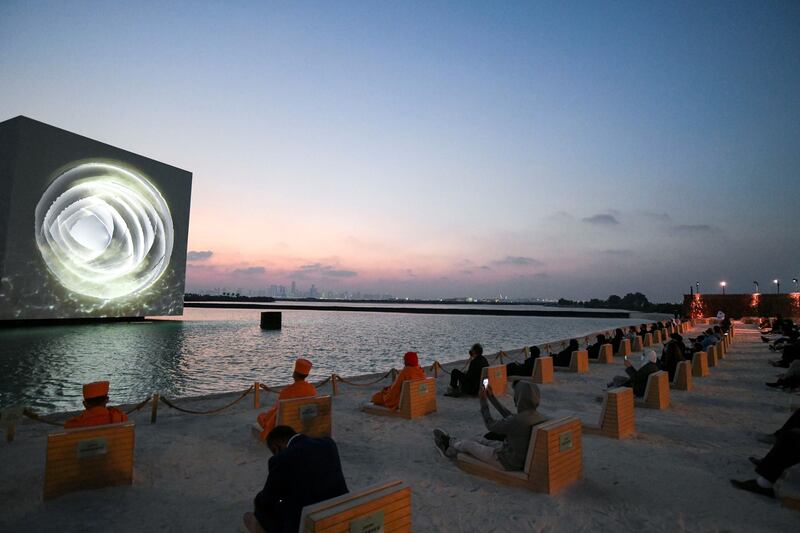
95	398
390	396
514	428
302	471
299	389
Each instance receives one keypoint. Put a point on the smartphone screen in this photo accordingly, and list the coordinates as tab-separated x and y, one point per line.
485	383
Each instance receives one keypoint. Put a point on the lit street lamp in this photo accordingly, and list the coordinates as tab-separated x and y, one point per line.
697	284
722	284
794	282
777	283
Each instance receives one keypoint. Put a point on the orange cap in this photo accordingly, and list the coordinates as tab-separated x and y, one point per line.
302	366
98	389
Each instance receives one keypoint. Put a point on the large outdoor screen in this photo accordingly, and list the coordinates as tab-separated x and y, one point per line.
87	230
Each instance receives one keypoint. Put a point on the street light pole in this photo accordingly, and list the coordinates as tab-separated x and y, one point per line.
794	282
723	284
756	284
777	283
697	285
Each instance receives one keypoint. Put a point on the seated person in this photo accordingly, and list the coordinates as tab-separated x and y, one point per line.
390	396
299	389
511	452
564	357
637	379
671	357
643	331
632	334
789	380
709	339
525	368
469	381
594	349
302	471
95	398
726	325
785	453
616	342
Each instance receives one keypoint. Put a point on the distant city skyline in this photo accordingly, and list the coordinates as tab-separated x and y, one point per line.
535	150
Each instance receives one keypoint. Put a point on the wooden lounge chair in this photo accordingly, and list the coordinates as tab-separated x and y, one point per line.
497	378
700	365
383	507
578	363
657	337
617	419
310	416
656	394
722	349
88	458
683	376
605	356
554	460
542	371
712	356
624	347
648	340
417	398
637	344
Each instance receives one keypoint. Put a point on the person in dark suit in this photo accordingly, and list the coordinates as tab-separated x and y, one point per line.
302	471
468	382
564	357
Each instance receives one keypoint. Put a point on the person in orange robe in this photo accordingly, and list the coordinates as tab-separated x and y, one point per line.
390	396
299	389
95	398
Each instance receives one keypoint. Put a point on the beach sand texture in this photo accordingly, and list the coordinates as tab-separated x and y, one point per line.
200	473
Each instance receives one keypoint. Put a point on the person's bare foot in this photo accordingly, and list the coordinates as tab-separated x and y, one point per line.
251	523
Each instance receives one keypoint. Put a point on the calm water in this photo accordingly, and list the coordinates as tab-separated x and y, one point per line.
221	350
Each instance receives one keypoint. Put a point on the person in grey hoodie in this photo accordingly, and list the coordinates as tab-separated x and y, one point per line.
510	453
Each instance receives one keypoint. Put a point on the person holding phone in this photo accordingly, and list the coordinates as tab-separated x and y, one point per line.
515	428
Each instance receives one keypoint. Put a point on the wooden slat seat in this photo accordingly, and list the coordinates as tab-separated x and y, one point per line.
578	363
310	416
554	460
712	356
382	507
624	347
605	356
542	371
648	340
700	365
683	377
656	394
498	380
657	336
417	398
617	419
88	458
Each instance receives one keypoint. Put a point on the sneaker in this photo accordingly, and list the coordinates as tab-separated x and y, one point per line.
751	485
442	441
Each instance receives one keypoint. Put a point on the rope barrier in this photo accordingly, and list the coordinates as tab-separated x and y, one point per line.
33	416
138	406
212	411
356	384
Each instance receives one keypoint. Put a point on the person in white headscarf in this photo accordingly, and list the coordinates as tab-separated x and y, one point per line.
637	378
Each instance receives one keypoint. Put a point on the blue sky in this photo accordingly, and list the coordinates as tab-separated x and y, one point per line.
444	148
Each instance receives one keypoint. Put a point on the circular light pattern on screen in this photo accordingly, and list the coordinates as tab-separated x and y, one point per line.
104	230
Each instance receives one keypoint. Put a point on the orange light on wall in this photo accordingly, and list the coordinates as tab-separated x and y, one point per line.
795	296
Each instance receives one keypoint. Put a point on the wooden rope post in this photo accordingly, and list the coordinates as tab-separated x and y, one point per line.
11	431
436	369
256	395
333	385
154	408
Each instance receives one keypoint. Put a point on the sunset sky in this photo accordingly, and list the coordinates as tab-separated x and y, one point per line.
437	149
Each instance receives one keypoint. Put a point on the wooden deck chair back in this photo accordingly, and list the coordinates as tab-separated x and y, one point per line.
648	340
88	458
624	347
579	362
722	349
310	416
712	356
418	398
497	377
656	394
700	365
606	355
617	419
683	376
543	370
554	459
637	344
383	507
657	337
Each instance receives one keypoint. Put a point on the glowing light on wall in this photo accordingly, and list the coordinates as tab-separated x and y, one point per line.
104	231
754	300
795	297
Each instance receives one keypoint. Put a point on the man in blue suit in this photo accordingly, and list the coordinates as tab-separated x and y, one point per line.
302	471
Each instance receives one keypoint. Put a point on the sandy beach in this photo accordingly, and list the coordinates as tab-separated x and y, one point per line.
200	473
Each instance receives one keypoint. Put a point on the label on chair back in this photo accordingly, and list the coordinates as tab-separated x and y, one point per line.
91	448
372	523
498	373
309	411
423	388
565	441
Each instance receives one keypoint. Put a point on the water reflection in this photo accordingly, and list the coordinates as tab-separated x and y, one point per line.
217	350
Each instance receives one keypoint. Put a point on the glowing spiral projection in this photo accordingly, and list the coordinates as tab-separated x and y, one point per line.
104	231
